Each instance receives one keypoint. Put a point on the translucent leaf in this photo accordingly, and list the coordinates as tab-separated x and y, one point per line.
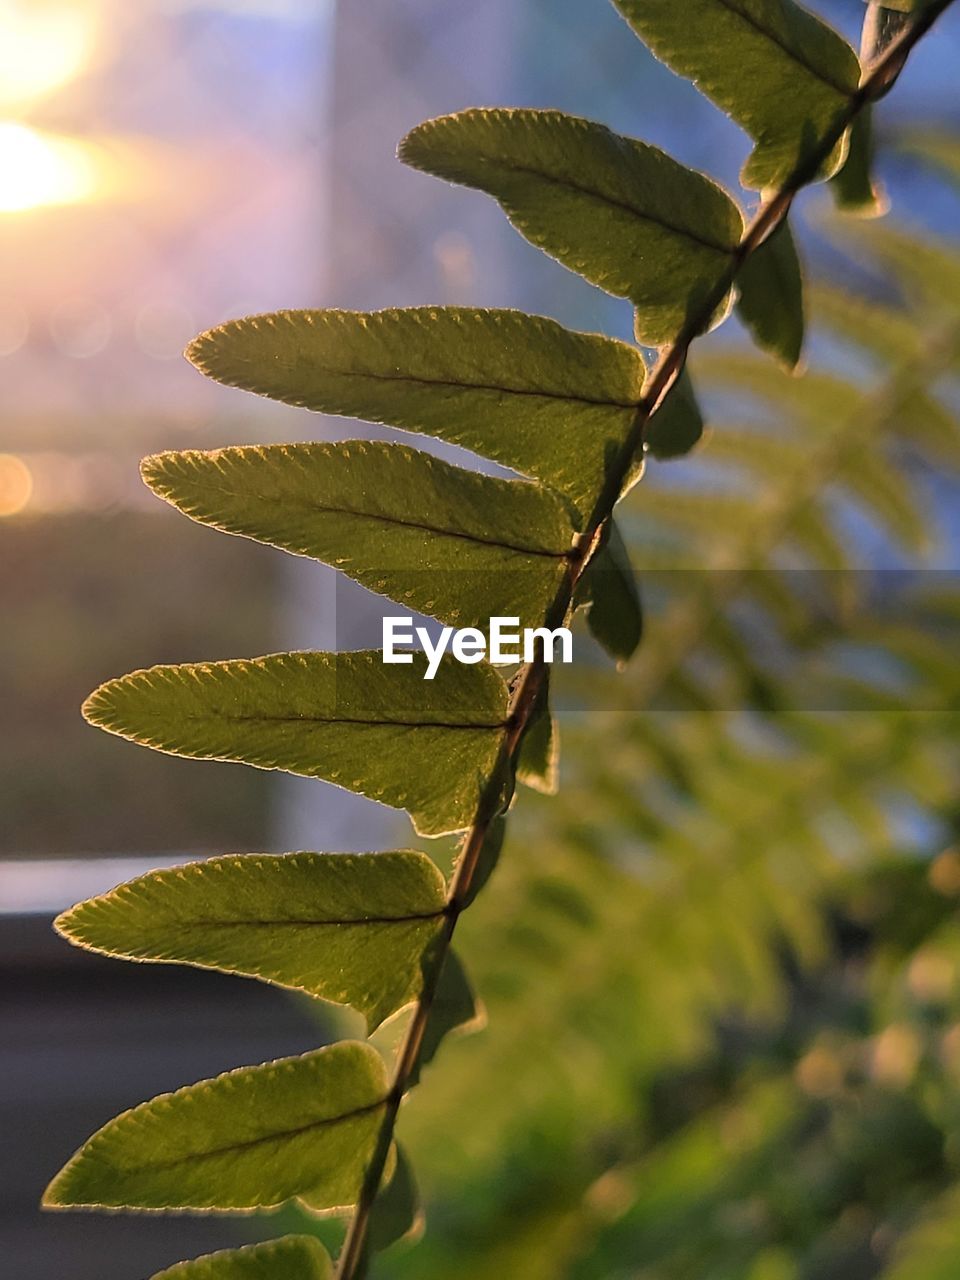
771	297
397	1212
489	857
351	928
380	730
455	1011
454	544
854	188
250	1139
292	1258
619	212
677	424
516	388
615	614
539	759
783	75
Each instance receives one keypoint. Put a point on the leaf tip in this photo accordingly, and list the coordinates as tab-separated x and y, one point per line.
198	349
93	707
152	468
57	1195
64	923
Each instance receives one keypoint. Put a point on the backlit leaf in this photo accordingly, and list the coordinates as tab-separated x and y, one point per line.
782	74
455	1011
397	1212
615	614
292	1258
252	1138
854	187
539	759
457	545
351	928
619	212
677	424
520	389
771	297
489	858
380	730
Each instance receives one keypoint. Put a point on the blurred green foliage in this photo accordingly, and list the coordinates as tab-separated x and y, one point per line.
722	969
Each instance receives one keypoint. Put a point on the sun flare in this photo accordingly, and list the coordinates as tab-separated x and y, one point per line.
38	169
43	45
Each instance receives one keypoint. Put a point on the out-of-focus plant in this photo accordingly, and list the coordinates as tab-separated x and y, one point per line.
740	920
578	414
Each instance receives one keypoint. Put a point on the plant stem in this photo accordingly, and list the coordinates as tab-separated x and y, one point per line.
877	80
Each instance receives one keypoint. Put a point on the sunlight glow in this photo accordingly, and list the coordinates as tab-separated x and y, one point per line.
40	169
16	485
43	45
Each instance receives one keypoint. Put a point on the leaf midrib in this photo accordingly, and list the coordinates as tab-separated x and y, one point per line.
572	397
195	922
278	1136
374	724
601	198
732	7
391	521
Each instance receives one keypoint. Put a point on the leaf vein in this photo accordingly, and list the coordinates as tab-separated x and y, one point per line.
278	1136
624	205
405	524
732	7
602	402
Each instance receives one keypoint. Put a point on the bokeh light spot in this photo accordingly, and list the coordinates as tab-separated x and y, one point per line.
14	328
80	328
16	485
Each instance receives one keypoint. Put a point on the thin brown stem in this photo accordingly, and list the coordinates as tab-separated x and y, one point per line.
877	80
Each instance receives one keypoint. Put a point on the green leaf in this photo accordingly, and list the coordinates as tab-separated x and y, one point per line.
615	614
489	858
455	1011
677	424
854	188
539	759
380	730
292	1258
783	75
623	214
397	1212
351	928
519	389
454	544
771	297
250	1139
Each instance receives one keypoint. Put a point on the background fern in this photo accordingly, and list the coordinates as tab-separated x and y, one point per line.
753	953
